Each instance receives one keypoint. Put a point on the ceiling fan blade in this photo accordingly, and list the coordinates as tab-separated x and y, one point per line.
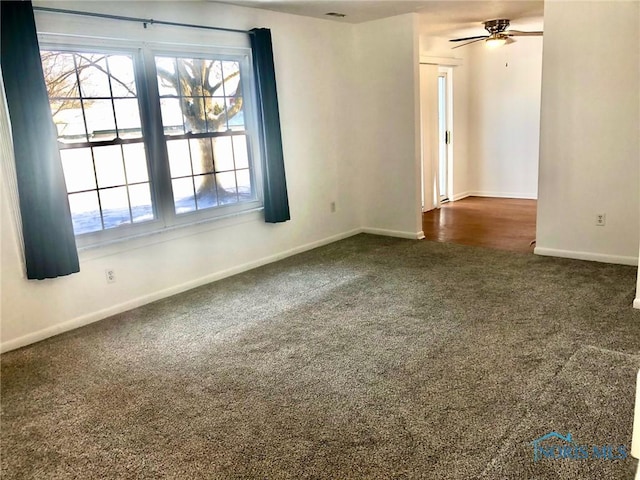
469	38
518	33
469	43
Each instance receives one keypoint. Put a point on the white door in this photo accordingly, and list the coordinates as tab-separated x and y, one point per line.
444	137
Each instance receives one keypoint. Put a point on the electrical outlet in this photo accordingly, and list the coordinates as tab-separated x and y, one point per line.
333	207
110	273
601	219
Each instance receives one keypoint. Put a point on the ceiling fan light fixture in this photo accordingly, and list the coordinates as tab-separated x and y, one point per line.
496	40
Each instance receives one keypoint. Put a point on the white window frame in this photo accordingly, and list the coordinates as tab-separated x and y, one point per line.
144	54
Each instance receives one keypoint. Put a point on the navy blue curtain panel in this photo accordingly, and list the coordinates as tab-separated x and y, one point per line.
50	247
276	201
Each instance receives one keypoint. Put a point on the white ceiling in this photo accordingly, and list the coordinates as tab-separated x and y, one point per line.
437	17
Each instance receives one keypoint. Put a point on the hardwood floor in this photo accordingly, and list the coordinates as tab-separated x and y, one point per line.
500	223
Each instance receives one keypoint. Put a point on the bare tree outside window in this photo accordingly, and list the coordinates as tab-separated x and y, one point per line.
208	95
95	107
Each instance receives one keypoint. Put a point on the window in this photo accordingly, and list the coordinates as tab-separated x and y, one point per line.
150	139
96	112
203	120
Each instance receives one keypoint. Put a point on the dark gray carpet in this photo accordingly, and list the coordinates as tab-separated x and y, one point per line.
368	358
583	399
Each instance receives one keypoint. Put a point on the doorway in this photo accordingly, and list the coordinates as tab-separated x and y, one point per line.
436	110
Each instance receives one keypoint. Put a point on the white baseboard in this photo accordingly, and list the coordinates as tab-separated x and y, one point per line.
523	196
152	297
594	257
636	303
459	196
394	233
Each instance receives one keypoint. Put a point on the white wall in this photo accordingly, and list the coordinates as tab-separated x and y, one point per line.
504	117
387	63
589	148
462	84
349	115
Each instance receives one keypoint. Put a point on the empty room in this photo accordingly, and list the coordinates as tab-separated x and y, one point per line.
214	261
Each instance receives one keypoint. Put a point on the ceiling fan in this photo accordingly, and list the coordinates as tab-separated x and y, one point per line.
498	34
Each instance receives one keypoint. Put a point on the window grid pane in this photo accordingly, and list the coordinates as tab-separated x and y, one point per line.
94	104
95	107
208	95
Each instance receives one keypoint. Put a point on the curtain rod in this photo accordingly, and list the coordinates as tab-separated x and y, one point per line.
144	21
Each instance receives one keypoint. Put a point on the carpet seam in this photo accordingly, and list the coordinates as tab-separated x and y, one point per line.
548	387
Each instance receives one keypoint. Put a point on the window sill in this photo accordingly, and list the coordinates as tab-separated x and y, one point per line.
167	234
